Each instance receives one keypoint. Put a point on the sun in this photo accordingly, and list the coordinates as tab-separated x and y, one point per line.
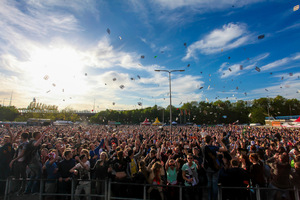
59	70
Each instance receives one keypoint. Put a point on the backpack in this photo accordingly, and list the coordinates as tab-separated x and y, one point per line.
210	159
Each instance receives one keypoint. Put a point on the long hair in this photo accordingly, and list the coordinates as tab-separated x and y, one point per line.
120	155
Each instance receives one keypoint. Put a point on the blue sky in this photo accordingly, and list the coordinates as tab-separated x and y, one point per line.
60	52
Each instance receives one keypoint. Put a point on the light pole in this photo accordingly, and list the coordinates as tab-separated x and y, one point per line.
170	71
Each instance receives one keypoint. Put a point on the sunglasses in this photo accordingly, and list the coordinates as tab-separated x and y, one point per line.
172	165
189	158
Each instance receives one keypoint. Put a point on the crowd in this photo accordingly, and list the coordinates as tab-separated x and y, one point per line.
198	158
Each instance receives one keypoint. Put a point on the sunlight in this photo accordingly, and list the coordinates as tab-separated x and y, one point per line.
63	68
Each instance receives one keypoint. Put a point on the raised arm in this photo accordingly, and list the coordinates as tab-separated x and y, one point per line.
38	142
223	147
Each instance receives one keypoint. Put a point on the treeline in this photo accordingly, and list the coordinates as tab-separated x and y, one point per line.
42	111
217	112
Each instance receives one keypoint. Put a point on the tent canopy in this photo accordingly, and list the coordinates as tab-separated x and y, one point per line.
146	122
297	120
157	122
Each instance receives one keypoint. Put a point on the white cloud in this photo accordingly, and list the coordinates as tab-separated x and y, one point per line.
234	70
291	27
247	65
281	62
35	21
230	36
203	4
288	89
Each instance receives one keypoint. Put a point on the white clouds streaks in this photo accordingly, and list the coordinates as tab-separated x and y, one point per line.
236	69
230	36
204	4
281	62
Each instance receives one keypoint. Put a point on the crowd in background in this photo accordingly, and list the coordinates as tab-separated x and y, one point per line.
196	157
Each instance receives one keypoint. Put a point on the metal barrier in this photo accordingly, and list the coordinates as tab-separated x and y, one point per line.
257	191
108	187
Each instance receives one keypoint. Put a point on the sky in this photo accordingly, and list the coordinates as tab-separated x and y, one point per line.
102	54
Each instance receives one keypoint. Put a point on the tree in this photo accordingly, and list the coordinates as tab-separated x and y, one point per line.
258	115
8	113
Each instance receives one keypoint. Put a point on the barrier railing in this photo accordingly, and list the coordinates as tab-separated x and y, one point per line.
257	191
107	186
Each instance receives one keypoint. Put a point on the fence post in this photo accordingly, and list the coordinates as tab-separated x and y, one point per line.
105	189
41	188
72	188
257	192
6	188
296	192
145	193
219	191
109	189
180	192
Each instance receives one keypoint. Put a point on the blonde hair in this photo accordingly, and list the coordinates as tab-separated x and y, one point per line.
106	156
86	152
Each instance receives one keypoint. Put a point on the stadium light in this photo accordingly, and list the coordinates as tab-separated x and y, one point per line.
170	71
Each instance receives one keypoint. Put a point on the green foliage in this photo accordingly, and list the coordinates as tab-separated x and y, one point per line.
258	115
217	112
8	113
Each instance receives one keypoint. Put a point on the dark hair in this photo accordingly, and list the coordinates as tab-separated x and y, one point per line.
170	151
234	162
253	148
82	156
67	152
284	158
25	135
254	156
130	152
35	134
120	155
207	139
